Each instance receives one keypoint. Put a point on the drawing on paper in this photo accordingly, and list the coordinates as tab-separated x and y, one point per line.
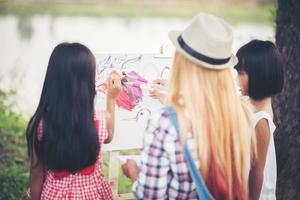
133	84
134	105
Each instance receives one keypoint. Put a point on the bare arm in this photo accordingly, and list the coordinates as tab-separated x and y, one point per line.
110	119
114	89
256	176
36	177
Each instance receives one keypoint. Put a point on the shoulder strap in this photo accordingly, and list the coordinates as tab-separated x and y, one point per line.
196	175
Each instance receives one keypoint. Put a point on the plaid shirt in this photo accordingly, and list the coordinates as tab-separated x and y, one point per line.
163	169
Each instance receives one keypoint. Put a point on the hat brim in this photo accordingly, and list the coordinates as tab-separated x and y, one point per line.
173	36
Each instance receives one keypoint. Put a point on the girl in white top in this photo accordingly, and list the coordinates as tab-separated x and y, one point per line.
270	171
260	77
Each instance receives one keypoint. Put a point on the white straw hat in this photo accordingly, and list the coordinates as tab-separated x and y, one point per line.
207	41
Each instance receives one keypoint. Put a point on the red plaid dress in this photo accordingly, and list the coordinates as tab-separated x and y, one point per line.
83	186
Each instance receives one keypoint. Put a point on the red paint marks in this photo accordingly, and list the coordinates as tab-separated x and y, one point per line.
131	94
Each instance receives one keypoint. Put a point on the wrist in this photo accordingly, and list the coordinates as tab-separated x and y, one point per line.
110	99
133	177
134	173
110	105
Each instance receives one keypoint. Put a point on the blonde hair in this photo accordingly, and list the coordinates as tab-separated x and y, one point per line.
208	104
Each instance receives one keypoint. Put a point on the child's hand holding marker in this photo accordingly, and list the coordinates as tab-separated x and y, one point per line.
159	89
113	85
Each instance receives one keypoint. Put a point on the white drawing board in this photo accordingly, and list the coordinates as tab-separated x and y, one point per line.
130	124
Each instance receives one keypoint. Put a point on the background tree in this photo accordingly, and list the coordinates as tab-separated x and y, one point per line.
287	104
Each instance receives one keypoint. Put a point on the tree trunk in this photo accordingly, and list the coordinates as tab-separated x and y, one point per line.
287	104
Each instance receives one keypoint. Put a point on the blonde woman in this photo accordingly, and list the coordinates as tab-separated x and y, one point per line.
214	122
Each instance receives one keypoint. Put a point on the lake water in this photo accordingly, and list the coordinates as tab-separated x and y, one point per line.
26	44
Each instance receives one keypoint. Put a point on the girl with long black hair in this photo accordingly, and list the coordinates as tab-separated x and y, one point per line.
66	133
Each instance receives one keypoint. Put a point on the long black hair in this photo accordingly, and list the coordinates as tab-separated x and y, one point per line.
66	108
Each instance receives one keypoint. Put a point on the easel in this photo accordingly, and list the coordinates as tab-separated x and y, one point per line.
113	177
114	152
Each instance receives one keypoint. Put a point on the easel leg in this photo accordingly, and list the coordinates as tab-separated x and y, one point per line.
113	177
113	174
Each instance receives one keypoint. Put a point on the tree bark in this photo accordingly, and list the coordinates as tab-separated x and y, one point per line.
287	104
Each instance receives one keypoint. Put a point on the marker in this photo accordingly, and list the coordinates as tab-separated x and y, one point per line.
135	78
144	86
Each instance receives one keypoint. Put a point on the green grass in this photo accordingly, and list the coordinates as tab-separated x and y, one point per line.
13	154
231	12
125	184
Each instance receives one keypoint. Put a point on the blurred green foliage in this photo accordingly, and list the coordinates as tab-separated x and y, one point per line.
13	154
233	12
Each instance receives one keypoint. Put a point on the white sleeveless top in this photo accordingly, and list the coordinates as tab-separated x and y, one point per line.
270	171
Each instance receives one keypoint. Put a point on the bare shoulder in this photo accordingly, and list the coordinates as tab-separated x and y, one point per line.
262	128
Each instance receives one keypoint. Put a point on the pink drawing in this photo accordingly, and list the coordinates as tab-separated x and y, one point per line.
125	101
131	93
134	77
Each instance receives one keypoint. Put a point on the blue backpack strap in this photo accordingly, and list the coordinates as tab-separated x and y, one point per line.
202	191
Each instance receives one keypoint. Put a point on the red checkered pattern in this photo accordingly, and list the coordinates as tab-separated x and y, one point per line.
78	186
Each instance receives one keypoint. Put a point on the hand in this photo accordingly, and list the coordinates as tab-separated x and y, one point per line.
159	88
131	170
114	85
